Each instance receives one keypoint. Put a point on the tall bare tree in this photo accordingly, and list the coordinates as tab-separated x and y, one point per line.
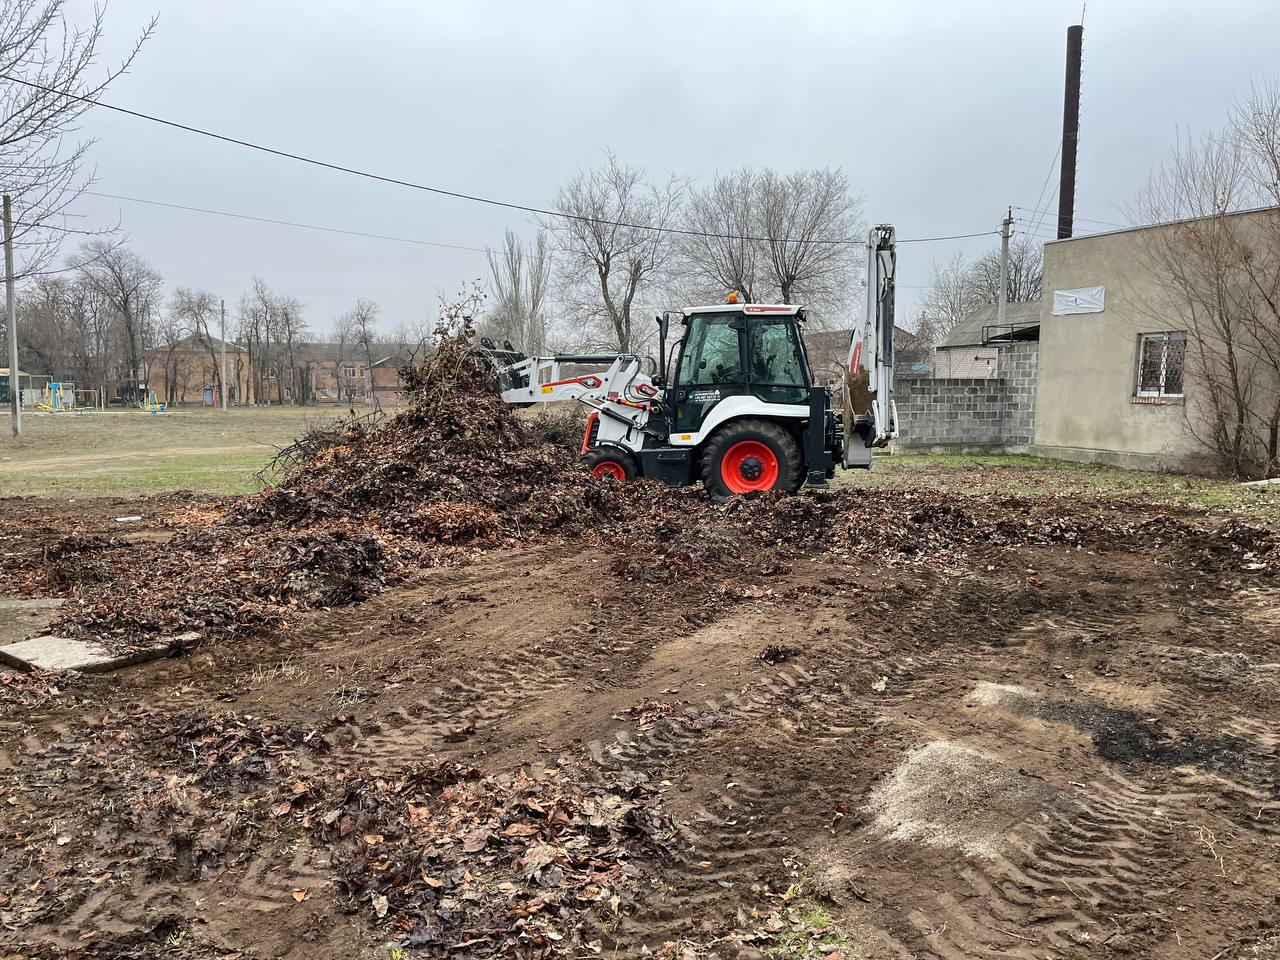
950	297
293	328
793	238
341	336
169	330
724	256
1220	273
1025	277
959	287
361	321
131	287
47	65
611	257
519	276
196	310
811	221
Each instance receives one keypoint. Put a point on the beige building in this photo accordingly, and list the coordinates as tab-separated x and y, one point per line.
1113	387
1125	359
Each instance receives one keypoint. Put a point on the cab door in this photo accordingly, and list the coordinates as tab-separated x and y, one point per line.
712	366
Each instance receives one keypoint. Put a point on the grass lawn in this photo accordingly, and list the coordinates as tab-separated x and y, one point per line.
1036	477
129	451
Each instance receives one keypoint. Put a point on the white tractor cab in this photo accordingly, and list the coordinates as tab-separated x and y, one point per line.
741	412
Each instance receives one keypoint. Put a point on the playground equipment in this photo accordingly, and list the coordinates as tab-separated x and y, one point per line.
152	404
55	397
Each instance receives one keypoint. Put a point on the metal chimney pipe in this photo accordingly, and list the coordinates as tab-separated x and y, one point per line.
1070	132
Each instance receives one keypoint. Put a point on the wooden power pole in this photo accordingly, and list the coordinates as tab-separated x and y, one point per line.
11	310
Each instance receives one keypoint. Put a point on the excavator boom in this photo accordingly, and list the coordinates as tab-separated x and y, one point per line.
870	414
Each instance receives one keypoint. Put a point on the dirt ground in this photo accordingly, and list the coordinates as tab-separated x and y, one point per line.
1057	750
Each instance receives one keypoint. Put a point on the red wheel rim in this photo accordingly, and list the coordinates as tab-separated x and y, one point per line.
609	470
749	465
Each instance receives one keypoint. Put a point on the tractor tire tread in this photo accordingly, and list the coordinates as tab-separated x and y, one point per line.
791	472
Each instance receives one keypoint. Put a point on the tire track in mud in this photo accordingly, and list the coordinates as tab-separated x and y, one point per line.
1086	857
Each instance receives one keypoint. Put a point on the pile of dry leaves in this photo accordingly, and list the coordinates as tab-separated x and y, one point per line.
515	866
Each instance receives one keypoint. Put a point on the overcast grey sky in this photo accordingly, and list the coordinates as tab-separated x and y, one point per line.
941	113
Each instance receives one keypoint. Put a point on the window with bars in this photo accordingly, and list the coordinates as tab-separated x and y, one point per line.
1161	360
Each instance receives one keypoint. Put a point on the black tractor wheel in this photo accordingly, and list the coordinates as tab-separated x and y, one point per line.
746	456
610	463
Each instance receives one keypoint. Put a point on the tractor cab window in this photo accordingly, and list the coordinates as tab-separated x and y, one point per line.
776	361
711	352
710	367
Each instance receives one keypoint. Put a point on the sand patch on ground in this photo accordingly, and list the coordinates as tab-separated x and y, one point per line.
947	795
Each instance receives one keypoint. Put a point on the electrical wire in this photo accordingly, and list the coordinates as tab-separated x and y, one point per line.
1105	223
1045	186
286	223
440	191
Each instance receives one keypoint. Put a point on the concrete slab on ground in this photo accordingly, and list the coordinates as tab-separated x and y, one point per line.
64	653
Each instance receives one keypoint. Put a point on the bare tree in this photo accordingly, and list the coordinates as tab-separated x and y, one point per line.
1220	280
197	310
46	64
361	321
1026	272
811	221
520	276
959	287
793	238
170	329
723	256
950	297
130	286
611	255
342	335
293	328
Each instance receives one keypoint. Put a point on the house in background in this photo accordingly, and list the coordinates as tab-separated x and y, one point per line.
187	372
1097	371
971	349
1112	387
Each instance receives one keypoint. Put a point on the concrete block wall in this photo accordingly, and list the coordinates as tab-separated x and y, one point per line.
968	415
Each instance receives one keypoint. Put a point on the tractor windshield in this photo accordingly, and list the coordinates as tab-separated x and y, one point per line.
712	354
776	361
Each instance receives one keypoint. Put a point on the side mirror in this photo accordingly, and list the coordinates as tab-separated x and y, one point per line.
664	323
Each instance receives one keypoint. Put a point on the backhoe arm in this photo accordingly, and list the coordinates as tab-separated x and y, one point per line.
870	414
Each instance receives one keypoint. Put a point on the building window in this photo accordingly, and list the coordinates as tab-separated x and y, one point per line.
1161	358
349	373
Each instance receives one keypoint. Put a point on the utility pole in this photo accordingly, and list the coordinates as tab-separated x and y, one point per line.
1003	297
222	335
11	310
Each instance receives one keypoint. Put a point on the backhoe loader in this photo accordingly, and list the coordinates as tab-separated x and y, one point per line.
740	411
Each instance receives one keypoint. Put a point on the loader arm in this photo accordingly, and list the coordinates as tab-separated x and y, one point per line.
620	392
870	414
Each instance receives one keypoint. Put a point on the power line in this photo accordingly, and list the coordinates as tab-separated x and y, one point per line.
440	191
1045	186
958	236
286	223
1105	223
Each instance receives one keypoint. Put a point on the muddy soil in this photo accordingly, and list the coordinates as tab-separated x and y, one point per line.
1031	752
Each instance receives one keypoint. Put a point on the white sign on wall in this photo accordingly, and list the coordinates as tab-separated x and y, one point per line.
1080	300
